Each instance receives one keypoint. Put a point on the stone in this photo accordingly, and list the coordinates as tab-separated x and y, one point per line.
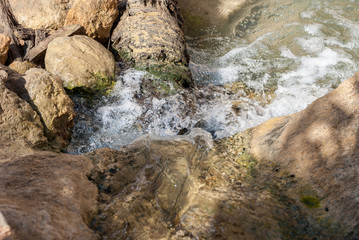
81	62
40	14
319	145
46	195
37	53
54	106
4	47
19	123
149	35
96	16
21	67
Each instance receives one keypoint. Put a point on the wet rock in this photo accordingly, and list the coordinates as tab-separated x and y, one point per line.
21	67
96	16
45	196
52	103
149	35
40	14
19	123
4	47
80	62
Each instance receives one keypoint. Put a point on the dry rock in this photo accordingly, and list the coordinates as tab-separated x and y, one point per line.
40	14
45	195
80	62
21	67
52	103
97	16
4	47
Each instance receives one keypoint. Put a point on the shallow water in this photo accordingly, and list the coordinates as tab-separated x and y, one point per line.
287	52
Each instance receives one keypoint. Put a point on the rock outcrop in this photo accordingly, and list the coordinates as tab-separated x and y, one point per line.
149	35
45	195
4	47
80	62
40	14
96	16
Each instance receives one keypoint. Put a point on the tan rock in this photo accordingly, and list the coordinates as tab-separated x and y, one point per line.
80	62
52	103
149	35
19	123
4	47
45	195
97	16
319	145
40	14
21	67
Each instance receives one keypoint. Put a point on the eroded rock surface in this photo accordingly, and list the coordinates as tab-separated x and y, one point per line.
81	62
4	47
45	195
149	35
40	14
21	67
96	16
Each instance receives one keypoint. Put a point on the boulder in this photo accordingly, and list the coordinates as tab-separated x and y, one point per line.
45	195
40	14
21	67
19	123
54	106
80	62
149	35
4	47
37	53
96	16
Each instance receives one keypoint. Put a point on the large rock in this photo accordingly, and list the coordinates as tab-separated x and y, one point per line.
97	16
319	145
40	14
52	103
80	62
46	195
149	35
4	47
19	123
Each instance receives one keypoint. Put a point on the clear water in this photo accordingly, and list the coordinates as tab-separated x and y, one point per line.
287	52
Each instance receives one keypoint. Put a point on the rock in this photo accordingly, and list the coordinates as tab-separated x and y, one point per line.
21	67
4	47
45	195
319	145
5	230
19	123
97	16
40	14
53	105
149	35
37	53
80	62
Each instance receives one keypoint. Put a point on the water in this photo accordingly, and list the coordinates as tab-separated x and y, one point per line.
267	59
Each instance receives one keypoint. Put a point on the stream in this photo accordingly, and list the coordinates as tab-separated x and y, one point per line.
266	59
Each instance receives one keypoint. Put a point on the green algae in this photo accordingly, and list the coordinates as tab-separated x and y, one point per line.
310	201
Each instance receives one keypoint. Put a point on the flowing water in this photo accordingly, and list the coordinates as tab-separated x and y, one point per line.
266	59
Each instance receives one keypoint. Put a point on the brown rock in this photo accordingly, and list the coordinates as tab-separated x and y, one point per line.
18	121
97	16
40	14
320	146
52	103
21	67
46	195
80	62
37	53
149	35
4	47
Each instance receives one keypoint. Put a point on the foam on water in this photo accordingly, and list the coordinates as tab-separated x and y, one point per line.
291	66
